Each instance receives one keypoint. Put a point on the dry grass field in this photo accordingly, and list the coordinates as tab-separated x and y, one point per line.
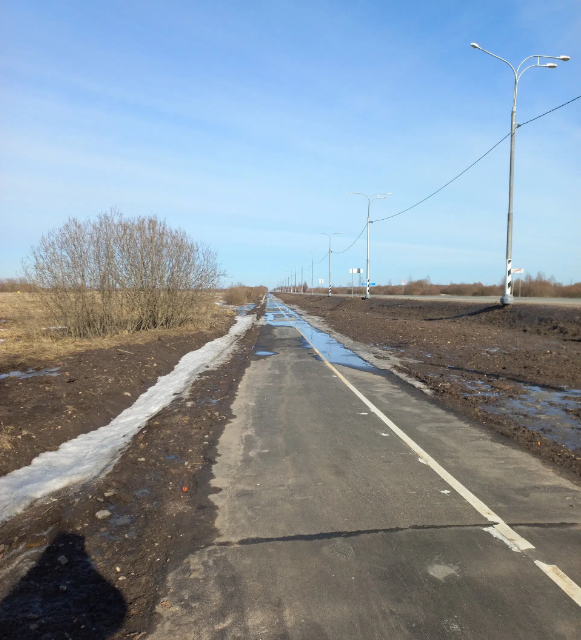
28	337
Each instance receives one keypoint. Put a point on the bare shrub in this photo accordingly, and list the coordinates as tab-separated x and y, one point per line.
118	274
538	287
13	285
241	294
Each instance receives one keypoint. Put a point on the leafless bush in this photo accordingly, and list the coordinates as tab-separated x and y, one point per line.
538	287
241	294
543	287
118	274
13	285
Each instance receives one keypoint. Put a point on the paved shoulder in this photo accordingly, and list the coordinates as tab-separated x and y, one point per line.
330	525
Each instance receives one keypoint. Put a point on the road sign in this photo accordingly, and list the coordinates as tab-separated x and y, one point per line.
321	281
355	270
518	270
403	282
372	284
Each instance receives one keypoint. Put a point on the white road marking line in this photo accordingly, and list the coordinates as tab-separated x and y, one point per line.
495	533
499	529
559	578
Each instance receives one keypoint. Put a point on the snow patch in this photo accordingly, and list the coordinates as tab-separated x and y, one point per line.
94	453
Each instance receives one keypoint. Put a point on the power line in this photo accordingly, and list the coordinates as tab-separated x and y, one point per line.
551	111
453	179
354	241
474	163
447	183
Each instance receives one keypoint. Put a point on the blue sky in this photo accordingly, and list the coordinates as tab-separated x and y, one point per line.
248	123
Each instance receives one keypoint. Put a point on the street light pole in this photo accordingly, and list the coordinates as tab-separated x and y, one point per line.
508	297
377	196
339	233
312	269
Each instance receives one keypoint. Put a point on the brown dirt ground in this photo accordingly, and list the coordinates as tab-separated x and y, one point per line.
66	573
534	345
93	386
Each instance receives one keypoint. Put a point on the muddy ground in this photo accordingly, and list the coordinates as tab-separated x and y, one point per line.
516	369
65	573
58	400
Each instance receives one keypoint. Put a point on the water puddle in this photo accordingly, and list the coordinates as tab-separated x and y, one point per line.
120	521
555	414
244	309
30	373
333	351
477	387
266	353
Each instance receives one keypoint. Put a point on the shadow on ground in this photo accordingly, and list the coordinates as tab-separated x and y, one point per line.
494	307
62	596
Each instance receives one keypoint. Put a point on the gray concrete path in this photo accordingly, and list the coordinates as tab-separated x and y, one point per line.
332	527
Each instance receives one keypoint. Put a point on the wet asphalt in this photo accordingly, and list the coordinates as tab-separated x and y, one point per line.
330	527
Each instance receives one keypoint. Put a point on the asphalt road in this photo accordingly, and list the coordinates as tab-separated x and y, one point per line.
553	302
352	506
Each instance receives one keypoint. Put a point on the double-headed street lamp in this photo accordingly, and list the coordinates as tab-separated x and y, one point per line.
338	233
377	196
507	298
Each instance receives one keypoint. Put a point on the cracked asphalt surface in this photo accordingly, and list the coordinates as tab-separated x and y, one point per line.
329	526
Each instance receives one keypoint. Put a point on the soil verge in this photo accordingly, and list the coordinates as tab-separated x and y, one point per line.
90	564
84	391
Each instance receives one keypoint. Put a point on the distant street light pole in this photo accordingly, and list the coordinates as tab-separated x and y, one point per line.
338	233
312	270
508	298
377	196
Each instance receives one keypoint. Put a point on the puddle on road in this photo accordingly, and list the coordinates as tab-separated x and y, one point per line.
264	353
555	414
333	351
30	373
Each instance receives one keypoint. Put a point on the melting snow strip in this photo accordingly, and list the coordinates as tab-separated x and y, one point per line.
91	454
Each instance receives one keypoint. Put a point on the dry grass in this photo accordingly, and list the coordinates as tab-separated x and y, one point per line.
26	341
241	294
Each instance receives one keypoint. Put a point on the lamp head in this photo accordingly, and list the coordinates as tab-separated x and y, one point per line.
550	65
564	58
474	45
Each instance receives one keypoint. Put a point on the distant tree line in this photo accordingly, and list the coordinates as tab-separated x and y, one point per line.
530	287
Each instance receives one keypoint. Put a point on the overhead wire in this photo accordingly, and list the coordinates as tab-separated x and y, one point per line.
474	163
354	241
399	213
550	111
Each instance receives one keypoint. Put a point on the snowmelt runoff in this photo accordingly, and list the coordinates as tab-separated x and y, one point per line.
94	453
